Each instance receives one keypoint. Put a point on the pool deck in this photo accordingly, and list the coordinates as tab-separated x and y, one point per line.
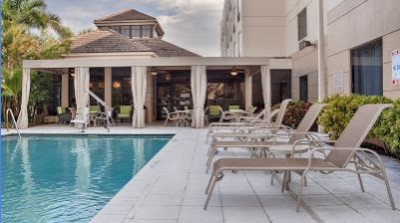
170	189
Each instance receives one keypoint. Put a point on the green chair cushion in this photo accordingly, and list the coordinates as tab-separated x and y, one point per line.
234	107
214	110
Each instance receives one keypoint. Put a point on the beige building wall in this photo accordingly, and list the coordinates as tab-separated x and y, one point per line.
354	23
264	28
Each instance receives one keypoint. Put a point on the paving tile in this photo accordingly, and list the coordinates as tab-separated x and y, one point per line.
199	200
324	199
232	200
338	213
244	214
236	190
358	198
288	215
157	212
278	201
163	199
196	214
101	218
148	221
378	213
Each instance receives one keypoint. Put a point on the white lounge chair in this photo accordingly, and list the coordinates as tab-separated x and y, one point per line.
82	118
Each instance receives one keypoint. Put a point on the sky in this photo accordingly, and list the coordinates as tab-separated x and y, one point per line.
191	24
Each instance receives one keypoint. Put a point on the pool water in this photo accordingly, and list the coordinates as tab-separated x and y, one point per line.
68	178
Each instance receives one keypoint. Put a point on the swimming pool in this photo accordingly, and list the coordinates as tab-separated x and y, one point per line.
68	178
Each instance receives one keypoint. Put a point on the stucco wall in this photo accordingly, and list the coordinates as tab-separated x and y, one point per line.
356	22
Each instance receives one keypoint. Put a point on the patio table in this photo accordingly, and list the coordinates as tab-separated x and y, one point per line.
183	117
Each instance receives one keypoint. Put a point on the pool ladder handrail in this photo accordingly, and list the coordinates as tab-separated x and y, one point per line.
9	111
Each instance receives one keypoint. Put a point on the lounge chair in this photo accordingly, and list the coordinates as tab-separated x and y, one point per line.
124	112
250	122
82	118
345	149
265	140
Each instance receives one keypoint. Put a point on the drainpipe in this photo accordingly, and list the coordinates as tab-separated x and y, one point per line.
321	53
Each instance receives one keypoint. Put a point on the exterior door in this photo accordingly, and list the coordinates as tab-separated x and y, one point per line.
304	88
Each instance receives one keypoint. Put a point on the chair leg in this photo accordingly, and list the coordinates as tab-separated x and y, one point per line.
385	177
300	192
210	159
210	188
284	180
359	179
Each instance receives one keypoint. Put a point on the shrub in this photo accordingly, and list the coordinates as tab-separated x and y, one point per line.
388	129
340	110
294	112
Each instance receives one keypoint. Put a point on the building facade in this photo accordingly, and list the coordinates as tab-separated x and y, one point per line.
358	41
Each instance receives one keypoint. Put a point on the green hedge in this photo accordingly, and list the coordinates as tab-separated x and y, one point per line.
340	110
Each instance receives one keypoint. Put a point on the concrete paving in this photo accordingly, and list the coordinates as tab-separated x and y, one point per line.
170	189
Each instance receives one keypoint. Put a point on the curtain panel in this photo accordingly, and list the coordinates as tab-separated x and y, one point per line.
266	88
139	84
198	80
23	121
81	83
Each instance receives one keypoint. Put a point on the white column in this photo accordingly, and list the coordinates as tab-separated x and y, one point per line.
81	82
108	85
321	53
139	84
198	81
23	121
266	88
64	90
248	81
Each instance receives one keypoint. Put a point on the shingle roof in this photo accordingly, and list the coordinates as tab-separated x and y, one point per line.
105	41
109	41
165	49
129	14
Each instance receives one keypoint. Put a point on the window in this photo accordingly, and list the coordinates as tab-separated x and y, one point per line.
367	69
304	88
96	84
302	24
121	86
147	31
135	32
116	28
125	30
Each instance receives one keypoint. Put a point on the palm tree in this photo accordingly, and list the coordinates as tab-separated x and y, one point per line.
31	13
11	89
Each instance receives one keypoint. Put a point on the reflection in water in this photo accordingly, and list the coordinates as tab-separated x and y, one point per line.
68	179
82	170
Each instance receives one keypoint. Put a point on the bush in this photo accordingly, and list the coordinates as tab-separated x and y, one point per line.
294	113
340	109
388	129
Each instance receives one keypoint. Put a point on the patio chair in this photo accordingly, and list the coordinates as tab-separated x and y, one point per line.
213	111
345	149
82	118
63	116
251	121
171	116
124	112
264	140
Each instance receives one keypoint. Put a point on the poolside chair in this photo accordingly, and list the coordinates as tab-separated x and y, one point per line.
265	139
171	116
82	118
345	150
124	112
63	116
251	121
213	111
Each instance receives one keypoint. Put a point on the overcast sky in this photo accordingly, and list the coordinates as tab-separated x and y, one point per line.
191	24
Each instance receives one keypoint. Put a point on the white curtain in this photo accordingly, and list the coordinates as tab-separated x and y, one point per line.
266	88
26	87
81	83
139	84
198	81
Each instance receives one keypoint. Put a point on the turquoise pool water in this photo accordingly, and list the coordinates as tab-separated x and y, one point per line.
68	178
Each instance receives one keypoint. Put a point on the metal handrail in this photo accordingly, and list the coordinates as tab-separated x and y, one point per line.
9	111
